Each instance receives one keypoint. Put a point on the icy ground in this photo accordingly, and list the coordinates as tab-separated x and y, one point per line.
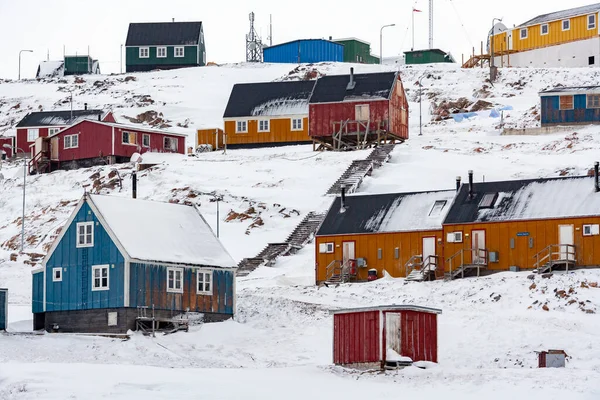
280	343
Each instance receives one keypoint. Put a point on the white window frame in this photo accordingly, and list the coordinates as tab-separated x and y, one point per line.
327	248
52	131
159	50
179	49
175	271
204	273
264	122
128	138
592	230
144	52
454	237
521	31
60	274
542	29
299	126
70	141
587	101
170	148
562	25
100	268
237	126
592	26
144	136
85	234
32	134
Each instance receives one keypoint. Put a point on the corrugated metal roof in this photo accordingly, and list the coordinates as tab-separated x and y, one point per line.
58	118
163	33
333	88
402	307
527	200
570	89
558	15
269	99
303	40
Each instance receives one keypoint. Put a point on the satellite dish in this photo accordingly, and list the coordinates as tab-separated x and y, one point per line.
498	28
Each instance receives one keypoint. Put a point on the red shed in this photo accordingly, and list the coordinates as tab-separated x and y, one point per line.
368	337
7	150
92	142
356	111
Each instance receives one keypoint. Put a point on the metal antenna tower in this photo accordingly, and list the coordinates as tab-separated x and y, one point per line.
253	43
431	24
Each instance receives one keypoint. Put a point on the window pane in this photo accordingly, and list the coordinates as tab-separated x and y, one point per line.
207	287
207	277
104	272
125	137
96	282
104	282
97	273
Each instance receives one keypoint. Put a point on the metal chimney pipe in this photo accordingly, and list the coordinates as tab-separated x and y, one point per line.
458	180
343	200
596	182
471	191
351	76
134	185
85	106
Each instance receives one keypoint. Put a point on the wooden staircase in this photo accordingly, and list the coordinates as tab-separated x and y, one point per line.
338	273
39	164
476	61
466	262
555	255
419	270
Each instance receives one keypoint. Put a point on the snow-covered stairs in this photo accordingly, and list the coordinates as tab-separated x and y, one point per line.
416	275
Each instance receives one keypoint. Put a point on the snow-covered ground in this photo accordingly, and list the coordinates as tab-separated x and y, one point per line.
280	343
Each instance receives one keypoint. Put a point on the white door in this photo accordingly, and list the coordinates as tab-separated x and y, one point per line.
39	145
510	41
478	243
347	251
54	148
362	112
392	334
428	249
566	237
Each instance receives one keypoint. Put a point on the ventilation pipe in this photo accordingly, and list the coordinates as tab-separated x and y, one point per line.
85	106
596	182
343	200
458	180
471	191
351	84
134	185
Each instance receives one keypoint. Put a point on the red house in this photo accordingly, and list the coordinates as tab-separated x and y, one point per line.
90	142
372	337
47	123
356	111
7	152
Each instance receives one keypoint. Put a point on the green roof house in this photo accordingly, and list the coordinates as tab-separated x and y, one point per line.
428	56
357	51
164	45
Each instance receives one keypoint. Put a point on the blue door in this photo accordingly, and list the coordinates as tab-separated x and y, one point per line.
3	309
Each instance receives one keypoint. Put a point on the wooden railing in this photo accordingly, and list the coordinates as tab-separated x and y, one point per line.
426	266
35	161
473	258
555	254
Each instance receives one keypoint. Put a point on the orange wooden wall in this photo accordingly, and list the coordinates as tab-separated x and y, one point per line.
208	136
280	132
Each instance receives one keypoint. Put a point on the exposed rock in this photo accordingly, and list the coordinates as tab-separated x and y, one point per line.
545	307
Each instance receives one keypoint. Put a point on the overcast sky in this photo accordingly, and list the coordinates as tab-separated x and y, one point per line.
45	26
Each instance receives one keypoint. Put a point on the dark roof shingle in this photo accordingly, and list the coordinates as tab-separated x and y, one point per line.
58	118
333	88
163	33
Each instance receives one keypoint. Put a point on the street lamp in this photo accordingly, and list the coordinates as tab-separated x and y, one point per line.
8	146
381	42
420	106
27	51
492	41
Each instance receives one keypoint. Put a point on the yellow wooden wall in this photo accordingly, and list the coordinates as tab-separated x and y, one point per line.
543	233
367	245
208	136
280	132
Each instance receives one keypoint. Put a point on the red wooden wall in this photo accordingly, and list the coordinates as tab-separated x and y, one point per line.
323	116
6	140
399	111
356	338
419	336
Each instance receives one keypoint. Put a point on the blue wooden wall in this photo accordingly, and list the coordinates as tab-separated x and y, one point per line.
553	115
304	51
37	287
3	309
148	286
74	292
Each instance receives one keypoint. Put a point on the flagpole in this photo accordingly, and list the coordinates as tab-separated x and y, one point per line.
413	30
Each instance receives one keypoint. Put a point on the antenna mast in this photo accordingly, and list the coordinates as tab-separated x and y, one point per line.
253	43
270	30
431	24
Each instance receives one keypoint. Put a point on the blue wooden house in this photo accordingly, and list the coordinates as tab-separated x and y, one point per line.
116	256
570	105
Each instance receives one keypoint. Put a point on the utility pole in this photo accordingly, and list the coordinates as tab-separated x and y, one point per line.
430	24
381	42
26	51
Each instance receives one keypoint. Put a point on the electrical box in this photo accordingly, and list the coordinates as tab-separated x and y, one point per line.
361	262
494	256
514	268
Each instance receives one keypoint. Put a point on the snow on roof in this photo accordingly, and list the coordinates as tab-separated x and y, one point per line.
564	90
59	118
558	15
162	232
280	107
50	69
400	307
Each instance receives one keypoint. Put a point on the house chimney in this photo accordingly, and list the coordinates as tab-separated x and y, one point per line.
99	117
596	182
343	200
172	19
330	37
134	185
471	191
458	180
85	106
351	84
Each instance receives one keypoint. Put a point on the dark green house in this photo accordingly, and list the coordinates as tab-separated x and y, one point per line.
164	45
428	56
81	65
357	51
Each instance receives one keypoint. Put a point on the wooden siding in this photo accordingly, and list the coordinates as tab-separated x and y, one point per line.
553	115
356	338
37	292
280	132
322	116
74	292
367	246
8	141
419	336
22	137
3	309
399	111
211	136
190	57
542	233
148	286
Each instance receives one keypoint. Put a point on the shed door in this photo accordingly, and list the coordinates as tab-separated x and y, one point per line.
393	333
348	251
565	238
428	248
3	309
362	112
478	243
54	148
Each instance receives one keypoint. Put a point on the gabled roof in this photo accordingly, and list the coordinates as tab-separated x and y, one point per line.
120	126
333	88
269	99
558	15
394	212
568	90
153	231
59	118
526	200
163	33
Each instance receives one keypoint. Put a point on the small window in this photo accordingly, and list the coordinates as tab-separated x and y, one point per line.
362	112
71	141
297	124
175	280
591	230
263	125
591	21
179	52
523	33
488	200
146	140
326	248
170	144
241	127
566	25
144	52
593	101
204	282
52	131
100	277
33	134
566	102
161	52
454	237
85	234
437	208
57	274
129	138
544	29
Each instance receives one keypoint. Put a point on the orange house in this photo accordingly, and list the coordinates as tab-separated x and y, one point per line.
267	114
399	233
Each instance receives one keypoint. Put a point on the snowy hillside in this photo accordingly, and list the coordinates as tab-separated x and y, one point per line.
280	342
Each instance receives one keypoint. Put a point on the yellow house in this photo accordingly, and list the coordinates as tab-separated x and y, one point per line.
568	38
